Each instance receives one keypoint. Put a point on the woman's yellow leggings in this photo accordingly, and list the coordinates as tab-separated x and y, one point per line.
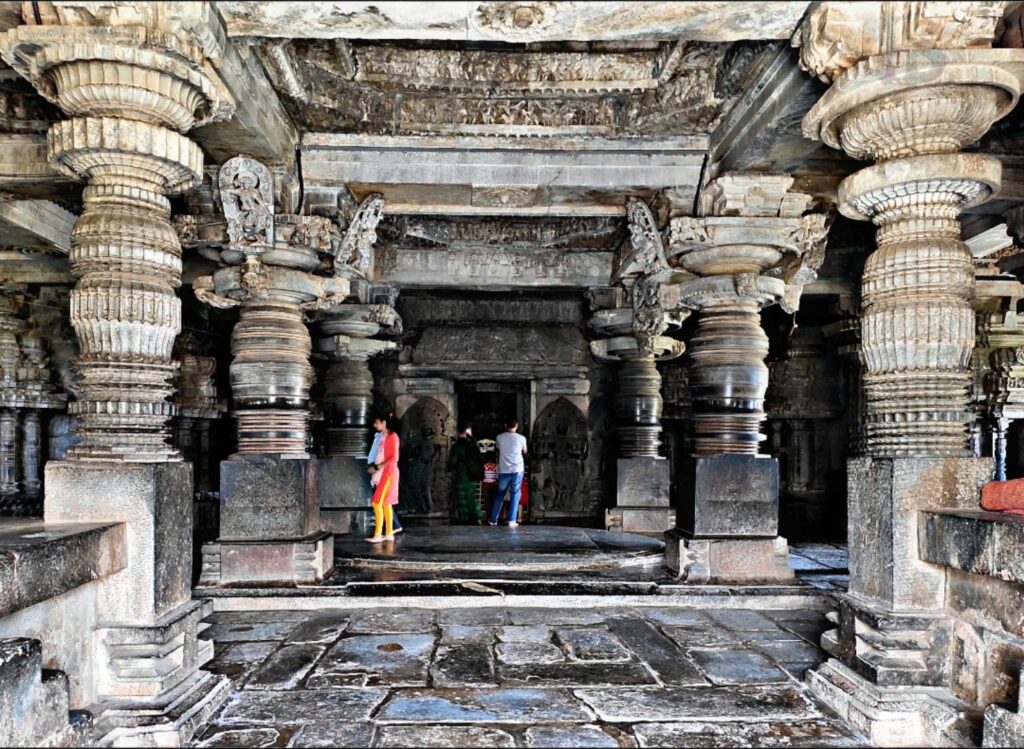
382	516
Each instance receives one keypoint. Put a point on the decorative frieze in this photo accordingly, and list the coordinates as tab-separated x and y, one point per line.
911	111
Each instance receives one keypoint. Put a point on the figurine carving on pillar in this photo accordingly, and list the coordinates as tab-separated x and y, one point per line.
247	197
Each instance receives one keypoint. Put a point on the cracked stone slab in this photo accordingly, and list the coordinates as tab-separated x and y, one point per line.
528	653
443	736
299	707
734	666
637	704
484	617
813	733
238	660
245	632
592	645
286	667
465	665
397	621
324	628
574	674
659	653
675	617
216	736
393	660
687	637
484	706
569	736
741	619
524	634
462	633
333	734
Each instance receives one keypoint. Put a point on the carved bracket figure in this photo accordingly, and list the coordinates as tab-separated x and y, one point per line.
247	197
356	249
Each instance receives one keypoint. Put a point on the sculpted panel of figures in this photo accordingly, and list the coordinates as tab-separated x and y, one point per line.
427	432
562	447
247	196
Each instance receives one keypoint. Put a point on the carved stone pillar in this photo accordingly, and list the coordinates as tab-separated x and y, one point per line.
197	403
269	523
31	439
632	325
911	85
8	452
756	244
133	81
346	339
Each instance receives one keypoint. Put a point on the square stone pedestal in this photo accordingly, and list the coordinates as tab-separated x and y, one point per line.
344	492
729	522
147	651
641	497
269	524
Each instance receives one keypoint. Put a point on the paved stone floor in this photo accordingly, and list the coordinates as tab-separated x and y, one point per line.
527	677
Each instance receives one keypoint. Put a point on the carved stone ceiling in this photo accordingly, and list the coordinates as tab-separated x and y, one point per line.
607	89
528	21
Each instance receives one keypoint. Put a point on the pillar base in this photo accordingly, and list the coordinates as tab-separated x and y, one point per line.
730	496
641	497
344	494
892	716
268	497
303	561
727	560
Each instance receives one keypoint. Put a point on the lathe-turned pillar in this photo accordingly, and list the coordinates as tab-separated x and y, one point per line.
755	245
133	83
631	320
912	84
269	519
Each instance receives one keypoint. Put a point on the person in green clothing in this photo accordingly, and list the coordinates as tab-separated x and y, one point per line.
467	468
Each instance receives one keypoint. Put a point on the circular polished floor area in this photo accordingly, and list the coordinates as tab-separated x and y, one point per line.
526	548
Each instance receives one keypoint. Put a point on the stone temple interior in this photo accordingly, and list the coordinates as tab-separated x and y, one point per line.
746	273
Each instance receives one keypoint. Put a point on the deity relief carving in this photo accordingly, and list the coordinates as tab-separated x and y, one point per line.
562	447
356	249
427	432
247	197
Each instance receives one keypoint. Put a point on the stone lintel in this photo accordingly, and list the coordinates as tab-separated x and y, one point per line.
36	224
42	561
975	541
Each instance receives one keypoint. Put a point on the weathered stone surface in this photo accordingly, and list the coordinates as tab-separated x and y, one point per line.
286	667
318	706
731	496
524	633
689	637
394	660
219	737
734	666
333	734
675	703
325	627
484	706
555	616
249	632
675	617
384	621
443	736
670	665
238	660
267	498
459	633
464	665
812	733
592	645
528	652
479	617
742	619
566	736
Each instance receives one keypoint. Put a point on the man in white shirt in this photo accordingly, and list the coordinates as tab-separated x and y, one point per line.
511	451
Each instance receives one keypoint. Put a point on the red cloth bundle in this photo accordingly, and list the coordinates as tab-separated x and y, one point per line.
1003	496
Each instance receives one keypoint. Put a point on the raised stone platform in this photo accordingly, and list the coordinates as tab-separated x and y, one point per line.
492	549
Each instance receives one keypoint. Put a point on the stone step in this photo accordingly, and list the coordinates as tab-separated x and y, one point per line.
34	701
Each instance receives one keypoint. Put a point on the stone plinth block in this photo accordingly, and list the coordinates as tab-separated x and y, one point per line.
267	497
727	560
731	496
343	483
300	562
154	500
642	482
885	496
640	519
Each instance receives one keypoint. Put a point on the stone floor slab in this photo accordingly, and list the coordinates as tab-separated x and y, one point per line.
533	633
592	645
217	736
396	621
392	660
733	666
528	653
237	660
668	662
324	628
257	617
484	706
429	737
482	617
243	632
741	619
574	674
463	634
569	736
790	651
333	734
815	733
299	707
675	617
286	667
692	637
556	617
645	704
465	665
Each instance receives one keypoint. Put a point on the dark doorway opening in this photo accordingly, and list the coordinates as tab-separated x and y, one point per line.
487	405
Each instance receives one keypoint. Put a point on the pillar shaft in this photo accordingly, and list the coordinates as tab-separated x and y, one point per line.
8	451
348	397
638	407
31	439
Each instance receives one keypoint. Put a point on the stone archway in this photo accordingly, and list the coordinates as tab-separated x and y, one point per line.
427	432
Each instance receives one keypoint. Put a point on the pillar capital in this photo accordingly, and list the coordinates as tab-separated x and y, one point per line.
835	36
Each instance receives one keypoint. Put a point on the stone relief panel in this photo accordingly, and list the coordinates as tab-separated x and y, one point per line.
427	432
517	347
561	447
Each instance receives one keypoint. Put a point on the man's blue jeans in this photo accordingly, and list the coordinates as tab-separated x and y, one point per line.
506	481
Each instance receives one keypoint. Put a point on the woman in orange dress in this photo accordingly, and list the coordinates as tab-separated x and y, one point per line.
386	494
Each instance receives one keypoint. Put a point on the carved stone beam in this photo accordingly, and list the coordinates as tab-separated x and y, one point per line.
913	84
